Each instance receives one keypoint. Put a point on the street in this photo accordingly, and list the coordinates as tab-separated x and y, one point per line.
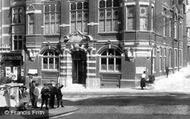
169	99
167	106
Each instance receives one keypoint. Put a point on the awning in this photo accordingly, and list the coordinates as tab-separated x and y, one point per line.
32	71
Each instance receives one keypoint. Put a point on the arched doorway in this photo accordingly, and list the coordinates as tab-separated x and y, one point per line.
79	67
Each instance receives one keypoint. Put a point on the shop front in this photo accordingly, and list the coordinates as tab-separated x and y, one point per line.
12	66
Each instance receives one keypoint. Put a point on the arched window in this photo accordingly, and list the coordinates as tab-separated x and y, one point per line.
50	59
110	61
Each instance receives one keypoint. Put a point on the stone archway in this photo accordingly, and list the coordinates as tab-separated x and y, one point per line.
79	67
77	47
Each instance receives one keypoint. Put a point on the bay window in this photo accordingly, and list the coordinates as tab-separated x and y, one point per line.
143	17
131	16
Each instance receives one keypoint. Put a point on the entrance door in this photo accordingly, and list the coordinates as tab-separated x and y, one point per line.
79	67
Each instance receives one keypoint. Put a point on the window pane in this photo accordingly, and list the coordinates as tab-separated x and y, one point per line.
46	8
143	24
109	3
79	26
131	24
73	16
79	5
73	6
20	44
85	5
85	28
85	17
101	14
15	45
51	63
102	4
104	53
116	14
111	64
73	27
52	17
101	26
79	16
103	64
116	3
52	28
111	52
117	53
45	63
108	25
47	27
118	64
52	8
109	14
47	18
115	25
57	63
131	11
144	11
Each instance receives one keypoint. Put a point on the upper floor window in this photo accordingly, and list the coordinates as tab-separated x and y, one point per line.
30	23
164	22
108	15
143	17
52	18
175	26
18	15
18	42
152	18
110	61
79	16
50	59
131	16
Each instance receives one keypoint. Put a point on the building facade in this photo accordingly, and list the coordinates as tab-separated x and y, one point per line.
12	38
188	31
99	43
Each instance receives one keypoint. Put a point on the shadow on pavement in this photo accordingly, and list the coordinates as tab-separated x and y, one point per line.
170	99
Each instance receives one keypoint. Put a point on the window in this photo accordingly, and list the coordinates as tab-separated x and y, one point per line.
175	26
170	58
79	16
164	22
52	18
130	21
169	28
30	23
50	59
143	17
110	61
175	58
164	59
152	18
18	42
18	15
180	58
108	15
154	61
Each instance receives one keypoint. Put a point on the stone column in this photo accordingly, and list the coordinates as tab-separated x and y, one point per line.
92	81
69	79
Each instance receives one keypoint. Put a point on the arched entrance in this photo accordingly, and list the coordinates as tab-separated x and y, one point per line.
79	67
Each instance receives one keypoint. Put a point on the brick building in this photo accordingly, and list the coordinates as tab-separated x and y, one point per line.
101	43
12	37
